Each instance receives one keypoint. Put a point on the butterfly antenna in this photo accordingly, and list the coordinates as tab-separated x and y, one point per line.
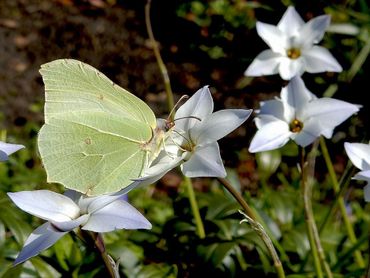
188	117
169	118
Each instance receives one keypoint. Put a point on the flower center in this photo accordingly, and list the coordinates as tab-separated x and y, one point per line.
189	146
296	126
293	53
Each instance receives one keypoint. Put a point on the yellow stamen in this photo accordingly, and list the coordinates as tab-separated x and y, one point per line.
293	53
296	126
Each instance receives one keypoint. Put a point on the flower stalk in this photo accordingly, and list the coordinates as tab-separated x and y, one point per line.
194	207
307	169
157	54
96	240
342	207
170	105
251	218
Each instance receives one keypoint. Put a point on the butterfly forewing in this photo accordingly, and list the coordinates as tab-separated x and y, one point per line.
95	132
71	85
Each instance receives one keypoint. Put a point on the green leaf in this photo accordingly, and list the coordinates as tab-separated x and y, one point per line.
157	271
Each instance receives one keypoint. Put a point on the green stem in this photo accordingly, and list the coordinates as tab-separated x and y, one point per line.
157	54
194	207
347	223
170	103
310	221
96	240
252	219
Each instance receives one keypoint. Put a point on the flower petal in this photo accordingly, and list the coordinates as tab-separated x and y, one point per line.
359	154
205	162
114	216
295	97
367	190
319	59
218	125
288	68
40	239
272	36
274	107
7	149
199	105
264	119
159	169
46	205
310	132
364	176
329	112
270	136
290	22
313	31
72	224
266	63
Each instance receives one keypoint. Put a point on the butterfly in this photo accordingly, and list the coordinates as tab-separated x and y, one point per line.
97	137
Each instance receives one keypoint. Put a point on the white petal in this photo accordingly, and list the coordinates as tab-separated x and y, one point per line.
46	205
291	22
158	170
75	196
359	154
271	136
90	204
266	63
72	224
313	31
274	107
272	36
114	216
310	132
154	173
367	191
7	149
296	94
329	112
319	59
364	176
40	239
205	162
264	119
288	68
199	105
218	125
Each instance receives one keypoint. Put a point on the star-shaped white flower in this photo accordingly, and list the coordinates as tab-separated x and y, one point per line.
292	47
66	212
359	154
7	149
196	132
298	115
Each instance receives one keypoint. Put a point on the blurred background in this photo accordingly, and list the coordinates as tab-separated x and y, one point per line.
202	43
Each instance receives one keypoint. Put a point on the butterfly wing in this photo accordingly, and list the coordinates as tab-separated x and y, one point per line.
95	132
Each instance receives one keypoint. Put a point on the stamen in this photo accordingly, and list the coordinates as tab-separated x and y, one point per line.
293	53
296	126
189	145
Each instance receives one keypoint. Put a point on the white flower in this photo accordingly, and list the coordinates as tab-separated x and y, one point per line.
298	115
7	149
293	50
196	132
359	154
66	212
